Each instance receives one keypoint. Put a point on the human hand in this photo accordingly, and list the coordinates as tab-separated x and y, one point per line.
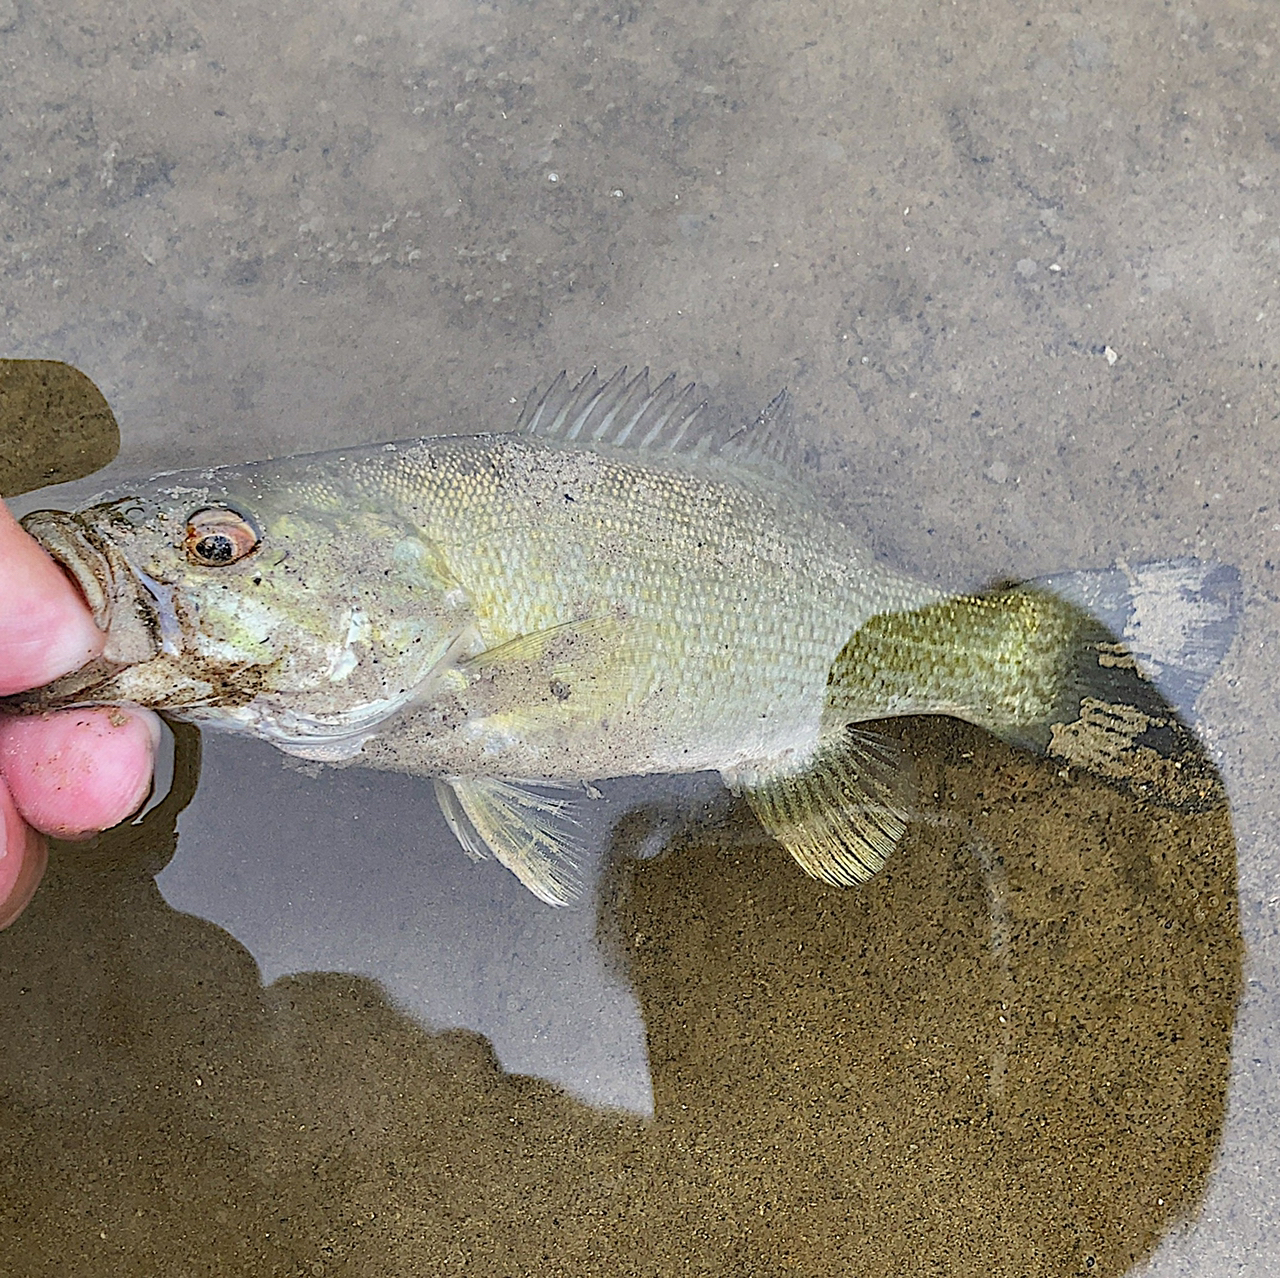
69	773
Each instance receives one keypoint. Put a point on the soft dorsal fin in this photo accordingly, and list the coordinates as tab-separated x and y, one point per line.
626	413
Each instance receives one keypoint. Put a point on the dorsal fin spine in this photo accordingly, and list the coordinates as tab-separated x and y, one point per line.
646	403
581	405
616	387
534	424
639	383
625	413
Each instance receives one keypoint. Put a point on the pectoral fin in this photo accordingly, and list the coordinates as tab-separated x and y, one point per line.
842	817
586	643
567	676
532	833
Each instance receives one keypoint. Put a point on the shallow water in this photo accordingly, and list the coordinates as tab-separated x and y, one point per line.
1017	268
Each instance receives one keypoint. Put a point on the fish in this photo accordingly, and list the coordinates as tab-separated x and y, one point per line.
615	587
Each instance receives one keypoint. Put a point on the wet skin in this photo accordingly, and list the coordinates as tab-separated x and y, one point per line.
72	772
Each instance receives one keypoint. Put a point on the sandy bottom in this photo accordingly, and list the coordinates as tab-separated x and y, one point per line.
1007	1055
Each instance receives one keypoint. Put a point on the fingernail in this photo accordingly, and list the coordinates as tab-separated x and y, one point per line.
73	642
154	726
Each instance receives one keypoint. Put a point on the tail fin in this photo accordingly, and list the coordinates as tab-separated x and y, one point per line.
1177	617
1165	627
1091	668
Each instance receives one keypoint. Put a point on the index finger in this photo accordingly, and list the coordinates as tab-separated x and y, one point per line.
46	628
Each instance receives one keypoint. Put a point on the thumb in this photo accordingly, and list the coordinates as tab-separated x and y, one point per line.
45	627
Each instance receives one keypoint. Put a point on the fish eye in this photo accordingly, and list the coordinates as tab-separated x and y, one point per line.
217	536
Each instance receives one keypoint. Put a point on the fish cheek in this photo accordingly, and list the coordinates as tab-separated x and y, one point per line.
232	627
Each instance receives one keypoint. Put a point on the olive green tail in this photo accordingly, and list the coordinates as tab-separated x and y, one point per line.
1086	684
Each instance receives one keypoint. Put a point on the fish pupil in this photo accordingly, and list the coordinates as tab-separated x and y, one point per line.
216	548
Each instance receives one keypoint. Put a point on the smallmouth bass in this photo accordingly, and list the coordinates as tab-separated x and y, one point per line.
606	591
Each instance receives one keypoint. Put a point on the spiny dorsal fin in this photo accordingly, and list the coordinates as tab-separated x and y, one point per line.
622	413
841	817
618	413
535	835
770	441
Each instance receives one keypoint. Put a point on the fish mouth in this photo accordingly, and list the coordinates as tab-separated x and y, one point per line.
131	615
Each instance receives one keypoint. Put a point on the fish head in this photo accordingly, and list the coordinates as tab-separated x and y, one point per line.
290	611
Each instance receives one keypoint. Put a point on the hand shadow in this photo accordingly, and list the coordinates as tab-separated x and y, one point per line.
1007	1054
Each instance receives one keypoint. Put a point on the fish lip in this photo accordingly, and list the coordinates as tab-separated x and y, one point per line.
66	541
123	606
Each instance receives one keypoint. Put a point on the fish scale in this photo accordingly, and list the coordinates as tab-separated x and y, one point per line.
745	613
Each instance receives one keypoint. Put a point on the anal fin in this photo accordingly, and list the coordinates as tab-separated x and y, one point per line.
843	815
534	834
